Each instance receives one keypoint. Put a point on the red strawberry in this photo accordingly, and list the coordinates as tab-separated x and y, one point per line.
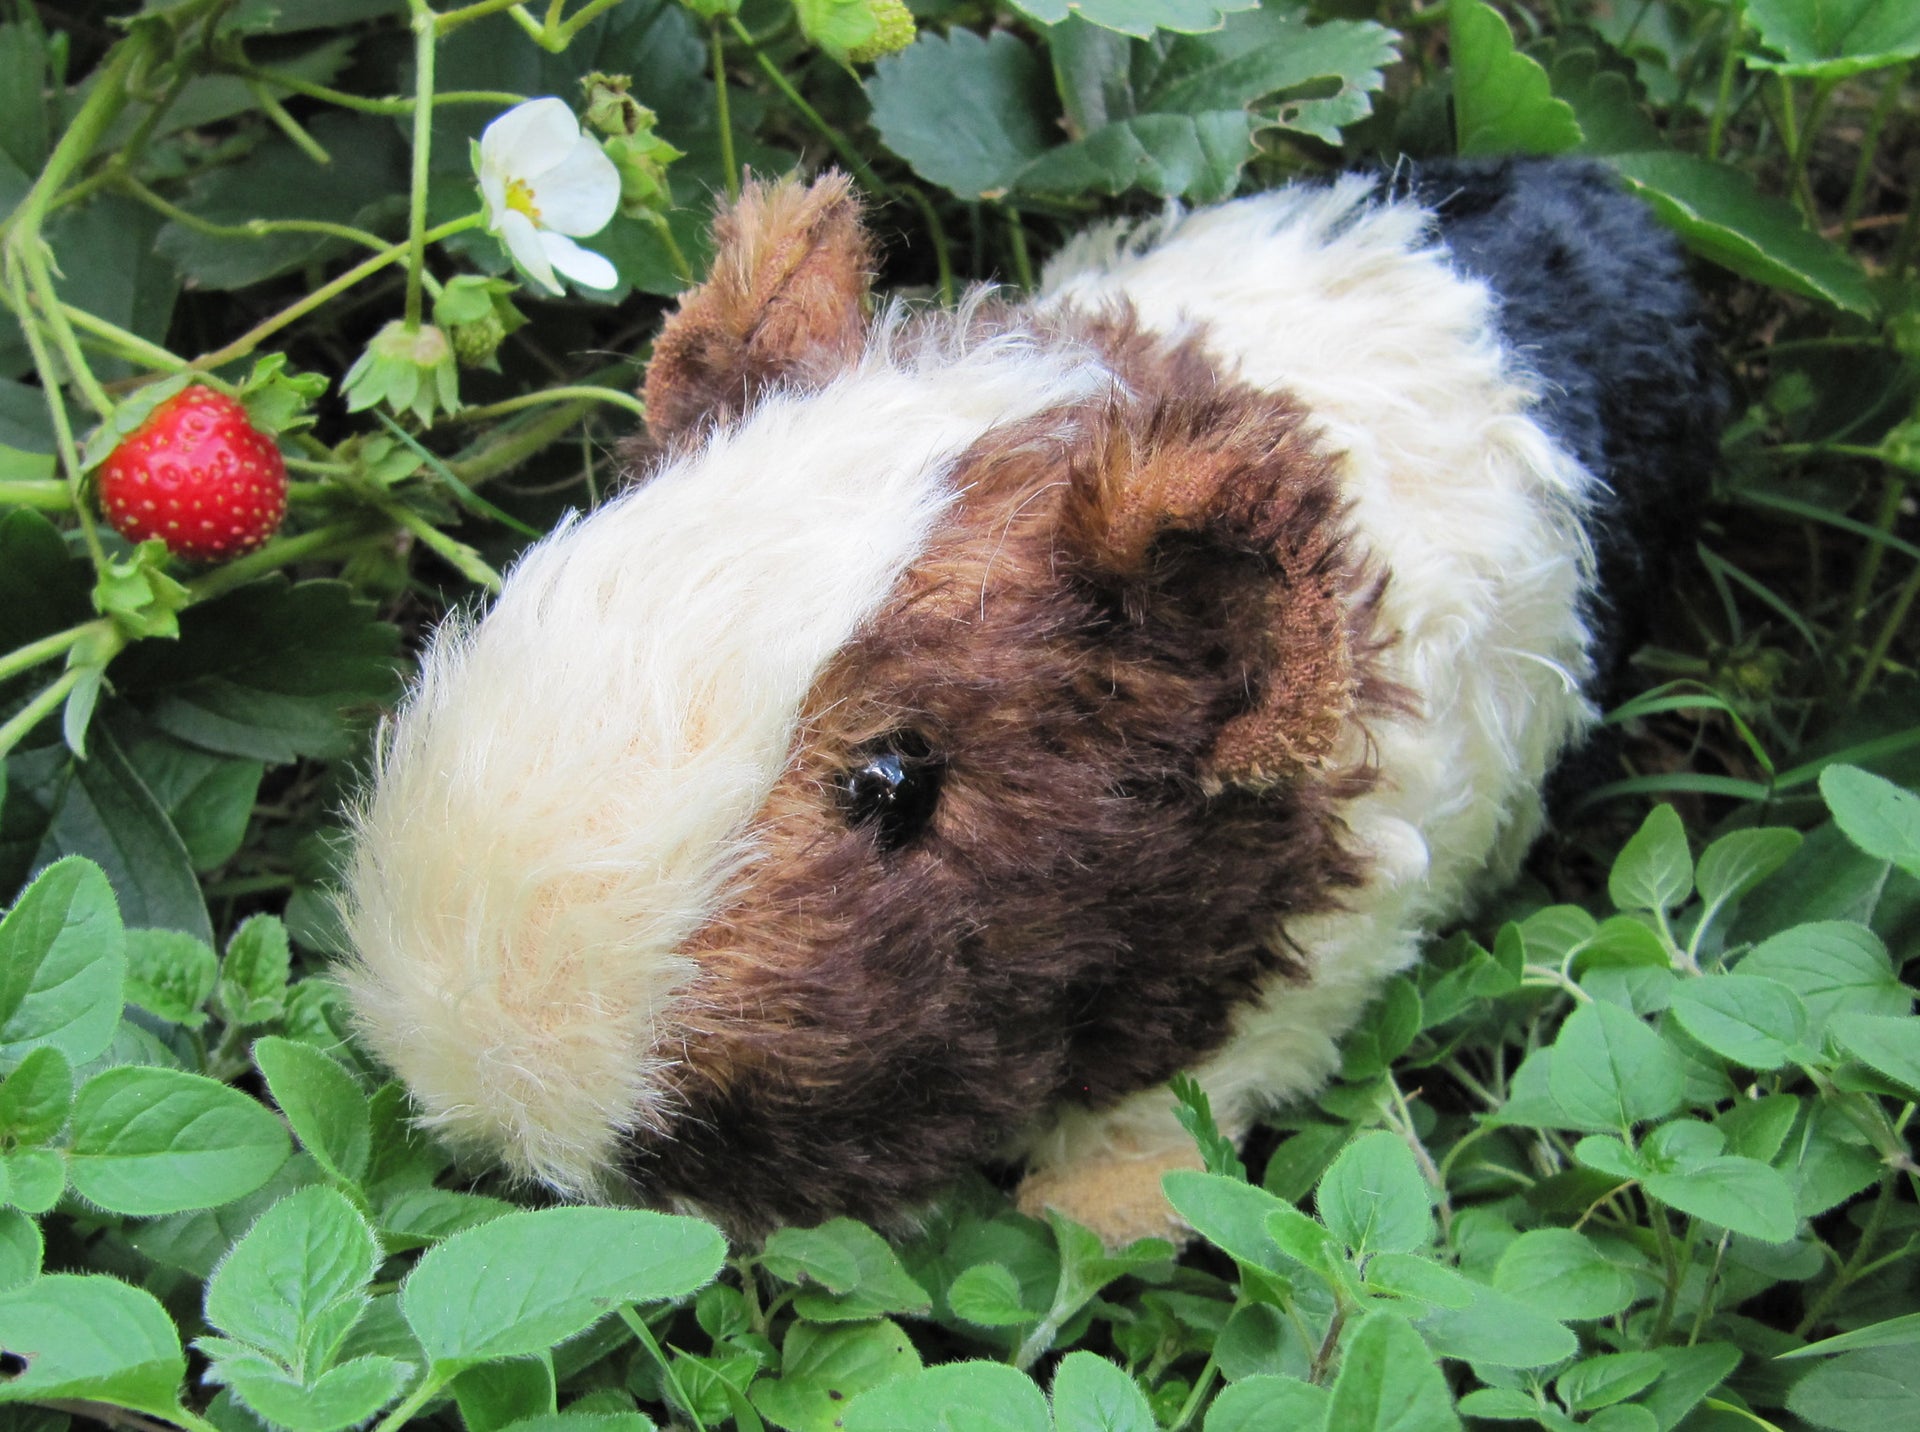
198	475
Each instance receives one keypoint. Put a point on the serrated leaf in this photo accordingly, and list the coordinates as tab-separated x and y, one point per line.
1562	1274
1374	1198
170	974
1879	817
879	1282
1139	18
62	965
338	1398
551	1273
252	986
1832	39
966	113
149	1141
1388	1382
328	1112
1230	1214
1755	1022
1721	215
36	1098
209	799
1742	1194
1198	156
1690	1374
823	1367
1090	1394
277	1290
1610	1071
90	1336
1833	967
1654	870
989	1295
1502	100
1740	860
956	1397
1889	1044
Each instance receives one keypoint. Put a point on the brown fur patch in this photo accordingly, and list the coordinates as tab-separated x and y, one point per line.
1090	901
785	301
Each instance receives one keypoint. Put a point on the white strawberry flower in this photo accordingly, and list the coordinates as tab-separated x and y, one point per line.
545	184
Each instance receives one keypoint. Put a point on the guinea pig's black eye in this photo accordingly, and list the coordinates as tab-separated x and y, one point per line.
893	786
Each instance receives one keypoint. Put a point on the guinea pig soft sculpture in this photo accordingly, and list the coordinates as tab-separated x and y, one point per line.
968	720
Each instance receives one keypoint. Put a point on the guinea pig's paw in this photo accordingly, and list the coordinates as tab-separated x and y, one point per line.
1116	1194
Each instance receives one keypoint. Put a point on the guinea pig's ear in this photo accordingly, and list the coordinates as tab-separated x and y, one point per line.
1217	531
785	301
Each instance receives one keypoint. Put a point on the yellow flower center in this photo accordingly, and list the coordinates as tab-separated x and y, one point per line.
520	197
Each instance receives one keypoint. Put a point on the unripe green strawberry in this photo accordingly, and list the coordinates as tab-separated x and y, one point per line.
895	32
198	475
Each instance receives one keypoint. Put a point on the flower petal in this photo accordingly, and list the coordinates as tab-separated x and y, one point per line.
579	194
523	241
583	266
493	190
529	139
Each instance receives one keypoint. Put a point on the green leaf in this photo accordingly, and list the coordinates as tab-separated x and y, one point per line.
1756	1128
1562	1274
1832	39
209	799
1610	1071
1834	967
493	1395
1869	1391
170	974
148	1141
823	1367
328	1112
1374	1198
1889	1044
338	1398
550	1273
1602	1381
1196	156
1090	1394
1195	1112
1755	1022
1139	18
1893	1332
101	809
1877	816
1383	1033
36	1098
1502	101
89	1336
1228	1213
989	1295
574	1420
956	1397
1691	1373
1737	862
1654	870
36	1179
62	965
252	988
836	26
294	1285
1717	210
1264	1402
1742	1194
421	1216
1296	1166
966	113
1388	1382
1499	1330
20	1249
880	1283
1257	1340
267	672
1304	1239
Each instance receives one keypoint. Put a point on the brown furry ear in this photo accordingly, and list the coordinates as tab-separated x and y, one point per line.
785	301
1213	518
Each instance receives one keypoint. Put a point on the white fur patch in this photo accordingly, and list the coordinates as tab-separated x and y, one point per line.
1474	511
560	801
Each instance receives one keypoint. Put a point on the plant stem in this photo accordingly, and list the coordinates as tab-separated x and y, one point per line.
453	19
104	101
1017	241
1889	629
849	156
1716	130
1870	147
131	345
44	494
430	1383
1876	1219
253	228
519	445
287	124
425	43
938	234
275	555
562	35
48	647
729	165
1195	1395
37	710
553	395
62	427
393	104
457	554
637	1325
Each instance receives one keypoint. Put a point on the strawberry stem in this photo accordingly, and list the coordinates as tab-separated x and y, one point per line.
425	43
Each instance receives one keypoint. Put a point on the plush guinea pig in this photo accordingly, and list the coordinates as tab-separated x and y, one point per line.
965	721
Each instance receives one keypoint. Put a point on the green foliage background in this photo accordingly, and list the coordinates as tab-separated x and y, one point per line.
1631	1152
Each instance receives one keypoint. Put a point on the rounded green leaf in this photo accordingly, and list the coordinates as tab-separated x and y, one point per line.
20	1248
148	1141
1738	861
1832	39
93	1337
63	965
957	1397
1389	1382
1090	1394
1654	870
327	1109
170	973
824	1366
1562	1274
1503	103
967	113
1610	1071
1833	967
515	1286
1755	1022
1742	1194
1498	1329
1226	1212
1374	1198
1875	1390
339	1398
1605	1380
1265	1402
1890	1045
278	1287
37	1097
988	1294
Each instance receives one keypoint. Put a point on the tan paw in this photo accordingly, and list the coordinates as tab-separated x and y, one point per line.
1118	1196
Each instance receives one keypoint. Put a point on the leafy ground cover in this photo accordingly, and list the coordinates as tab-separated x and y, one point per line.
1631	1151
